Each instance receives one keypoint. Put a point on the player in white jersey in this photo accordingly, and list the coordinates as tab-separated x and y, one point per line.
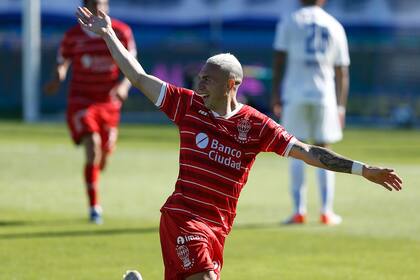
311	53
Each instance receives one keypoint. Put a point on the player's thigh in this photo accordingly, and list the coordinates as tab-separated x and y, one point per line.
108	123
188	248
92	142
81	121
326	123
295	120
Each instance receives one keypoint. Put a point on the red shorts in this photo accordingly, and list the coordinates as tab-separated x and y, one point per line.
189	246
102	118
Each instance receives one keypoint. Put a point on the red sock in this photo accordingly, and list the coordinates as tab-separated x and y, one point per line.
91	179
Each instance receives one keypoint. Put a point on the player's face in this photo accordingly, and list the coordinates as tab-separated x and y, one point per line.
213	86
95	5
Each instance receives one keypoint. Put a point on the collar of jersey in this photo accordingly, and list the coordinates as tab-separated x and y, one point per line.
231	114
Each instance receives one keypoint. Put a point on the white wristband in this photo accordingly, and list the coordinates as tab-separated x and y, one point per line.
341	109
357	168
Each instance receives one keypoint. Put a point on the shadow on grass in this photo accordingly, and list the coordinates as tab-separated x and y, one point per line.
65	228
12	223
103	231
23	223
276	225
78	233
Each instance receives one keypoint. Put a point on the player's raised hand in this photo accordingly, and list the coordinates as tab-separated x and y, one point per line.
383	176
99	24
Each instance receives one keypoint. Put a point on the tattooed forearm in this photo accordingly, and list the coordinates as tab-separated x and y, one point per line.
331	160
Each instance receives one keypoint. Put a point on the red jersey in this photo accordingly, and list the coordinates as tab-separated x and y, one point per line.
216	154
94	72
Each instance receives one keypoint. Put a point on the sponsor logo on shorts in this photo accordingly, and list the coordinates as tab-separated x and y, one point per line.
184	255
180	240
182	250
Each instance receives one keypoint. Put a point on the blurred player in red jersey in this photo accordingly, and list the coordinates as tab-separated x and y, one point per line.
219	141
96	93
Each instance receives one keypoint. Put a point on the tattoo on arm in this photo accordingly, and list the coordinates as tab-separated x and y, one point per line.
331	160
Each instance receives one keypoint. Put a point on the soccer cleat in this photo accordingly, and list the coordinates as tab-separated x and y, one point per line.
132	275
331	219
295	219
95	215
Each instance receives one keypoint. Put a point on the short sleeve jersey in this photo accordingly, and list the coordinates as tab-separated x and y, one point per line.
94	72
315	43
216	154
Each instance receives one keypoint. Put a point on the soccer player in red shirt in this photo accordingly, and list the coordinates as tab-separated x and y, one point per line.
95	95
219	140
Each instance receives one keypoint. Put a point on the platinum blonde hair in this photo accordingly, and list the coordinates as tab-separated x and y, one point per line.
229	63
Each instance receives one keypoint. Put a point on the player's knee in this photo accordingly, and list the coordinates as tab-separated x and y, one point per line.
208	275
92	140
96	138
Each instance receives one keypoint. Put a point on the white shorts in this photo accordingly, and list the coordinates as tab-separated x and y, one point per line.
313	122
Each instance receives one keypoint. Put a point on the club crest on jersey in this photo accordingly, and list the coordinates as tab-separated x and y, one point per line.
243	126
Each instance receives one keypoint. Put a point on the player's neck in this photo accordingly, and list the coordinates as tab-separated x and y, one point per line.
226	108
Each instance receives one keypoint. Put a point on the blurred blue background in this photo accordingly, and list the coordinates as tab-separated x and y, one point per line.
175	36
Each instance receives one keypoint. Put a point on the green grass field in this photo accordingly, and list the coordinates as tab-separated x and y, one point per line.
44	232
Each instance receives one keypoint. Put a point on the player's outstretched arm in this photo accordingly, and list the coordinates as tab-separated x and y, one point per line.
128	64
327	159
